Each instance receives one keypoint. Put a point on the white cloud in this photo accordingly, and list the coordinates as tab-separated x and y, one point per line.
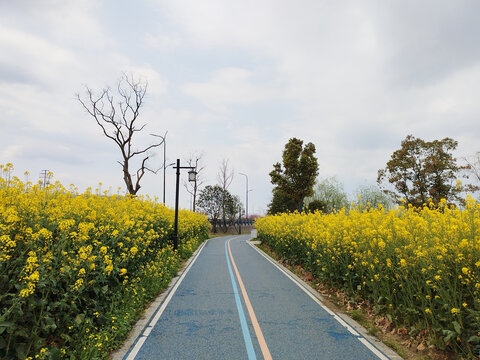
162	41
20	58
157	85
238	79
230	86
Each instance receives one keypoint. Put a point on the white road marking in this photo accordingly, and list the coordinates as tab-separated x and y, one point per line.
160	311
335	316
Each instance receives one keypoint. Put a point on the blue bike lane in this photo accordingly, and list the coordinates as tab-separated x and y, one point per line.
232	302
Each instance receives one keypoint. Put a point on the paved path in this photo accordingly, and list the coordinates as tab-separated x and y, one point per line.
233	303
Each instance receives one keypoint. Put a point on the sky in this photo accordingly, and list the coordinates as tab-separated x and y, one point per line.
236	80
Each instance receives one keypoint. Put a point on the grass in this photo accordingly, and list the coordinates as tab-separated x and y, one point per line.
357	316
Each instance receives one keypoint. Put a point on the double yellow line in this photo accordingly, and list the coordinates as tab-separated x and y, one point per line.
256	327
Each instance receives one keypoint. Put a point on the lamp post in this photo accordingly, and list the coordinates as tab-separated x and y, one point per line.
164	167
246	196
192	176
164	139
164	160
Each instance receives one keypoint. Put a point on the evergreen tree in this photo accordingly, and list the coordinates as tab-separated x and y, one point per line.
295	180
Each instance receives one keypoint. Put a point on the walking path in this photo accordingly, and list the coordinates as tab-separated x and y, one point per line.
233	302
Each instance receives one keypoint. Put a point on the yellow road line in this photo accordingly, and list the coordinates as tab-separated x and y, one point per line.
256	326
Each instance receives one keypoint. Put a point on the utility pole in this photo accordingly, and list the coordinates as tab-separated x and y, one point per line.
164	140
246	196
44	178
164	162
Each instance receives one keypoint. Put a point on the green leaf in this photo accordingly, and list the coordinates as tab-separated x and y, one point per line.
79	318
50	323
66	337
22	332
474	339
457	327
450	335
3	343
21	350
55	354
4	325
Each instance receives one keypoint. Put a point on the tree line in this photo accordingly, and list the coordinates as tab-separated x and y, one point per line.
416	174
419	172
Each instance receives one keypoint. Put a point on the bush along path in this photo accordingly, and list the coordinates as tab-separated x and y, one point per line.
76	270
420	268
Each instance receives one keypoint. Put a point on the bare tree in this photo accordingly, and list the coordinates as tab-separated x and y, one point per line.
224	178
195	160
225	175
473	165
119	122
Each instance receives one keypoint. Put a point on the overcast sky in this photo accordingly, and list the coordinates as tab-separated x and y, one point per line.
236	80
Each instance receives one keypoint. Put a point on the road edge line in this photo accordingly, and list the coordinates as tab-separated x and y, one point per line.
351	325
138	336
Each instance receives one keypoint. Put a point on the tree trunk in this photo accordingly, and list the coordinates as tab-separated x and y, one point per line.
128	180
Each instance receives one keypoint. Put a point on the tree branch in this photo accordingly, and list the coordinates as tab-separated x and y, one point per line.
118	121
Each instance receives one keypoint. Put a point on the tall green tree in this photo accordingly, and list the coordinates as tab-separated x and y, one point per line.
281	202
294	181
422	170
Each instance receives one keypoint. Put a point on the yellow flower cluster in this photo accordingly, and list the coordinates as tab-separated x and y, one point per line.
422	266
65	254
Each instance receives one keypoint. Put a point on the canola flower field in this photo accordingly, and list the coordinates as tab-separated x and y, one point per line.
76	270
419	267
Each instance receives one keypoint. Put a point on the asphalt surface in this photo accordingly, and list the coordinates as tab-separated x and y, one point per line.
206	315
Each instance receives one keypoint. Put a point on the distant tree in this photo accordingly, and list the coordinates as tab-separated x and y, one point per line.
195	161
370	196
219	204
295	180
233	208
330	192
473	166
117	115
210	201
422	170
225	178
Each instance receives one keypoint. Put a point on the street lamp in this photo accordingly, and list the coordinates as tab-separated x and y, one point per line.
192	176
164	159
246	195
